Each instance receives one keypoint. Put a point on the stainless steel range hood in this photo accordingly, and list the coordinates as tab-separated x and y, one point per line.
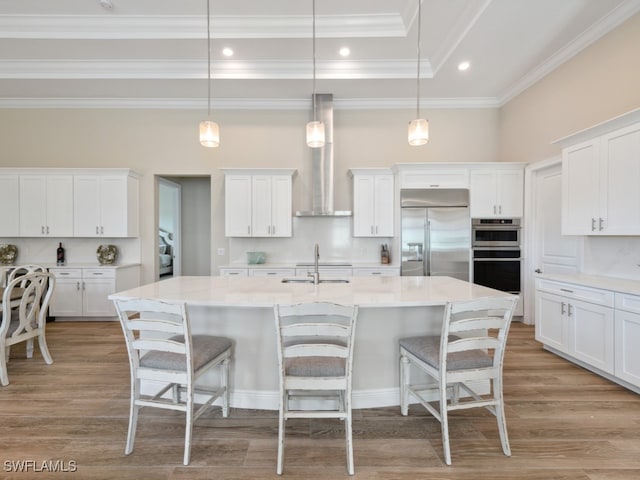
322	165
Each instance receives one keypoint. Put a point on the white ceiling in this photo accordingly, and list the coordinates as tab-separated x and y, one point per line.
153	53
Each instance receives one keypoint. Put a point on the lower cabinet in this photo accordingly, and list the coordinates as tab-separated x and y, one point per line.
272	272
627	338
84	292
588	325
373	271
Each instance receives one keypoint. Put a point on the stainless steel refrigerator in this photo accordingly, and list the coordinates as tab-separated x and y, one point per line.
435	232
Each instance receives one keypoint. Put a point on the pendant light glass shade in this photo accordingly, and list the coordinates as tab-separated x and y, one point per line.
315	129
418	132
209	134
209	131
315	134
418	128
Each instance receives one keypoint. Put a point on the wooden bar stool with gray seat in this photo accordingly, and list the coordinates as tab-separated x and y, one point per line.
162	350
315	356
24	310
457	361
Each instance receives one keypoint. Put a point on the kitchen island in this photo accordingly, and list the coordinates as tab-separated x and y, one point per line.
242	309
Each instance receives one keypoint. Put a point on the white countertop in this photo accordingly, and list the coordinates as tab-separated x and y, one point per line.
614	284
299	265
266	292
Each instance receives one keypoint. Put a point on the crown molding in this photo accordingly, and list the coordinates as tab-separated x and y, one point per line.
196	69
618	16
242	103
113	27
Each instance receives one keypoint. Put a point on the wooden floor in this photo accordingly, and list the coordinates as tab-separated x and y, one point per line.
564	423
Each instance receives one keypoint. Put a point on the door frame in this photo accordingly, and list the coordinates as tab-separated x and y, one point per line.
529	248
177	224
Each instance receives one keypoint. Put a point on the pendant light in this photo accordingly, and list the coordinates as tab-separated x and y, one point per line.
315	129
418	128
209	132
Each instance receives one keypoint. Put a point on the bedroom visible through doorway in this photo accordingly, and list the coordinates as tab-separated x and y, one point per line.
184	226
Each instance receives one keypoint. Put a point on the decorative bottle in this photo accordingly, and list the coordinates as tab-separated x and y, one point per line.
60	255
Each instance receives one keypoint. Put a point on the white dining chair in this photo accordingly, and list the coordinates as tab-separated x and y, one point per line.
455	362
24	310
315	358
163	351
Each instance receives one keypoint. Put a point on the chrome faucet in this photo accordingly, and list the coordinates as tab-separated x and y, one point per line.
316	274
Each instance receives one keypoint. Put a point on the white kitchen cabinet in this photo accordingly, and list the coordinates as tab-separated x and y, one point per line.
234	272
83	292
106	205
577	321
373	203
497	192
433	175
237	205
627	338
600	178
376	272
10	201
271	206
46	205
272	272
258	202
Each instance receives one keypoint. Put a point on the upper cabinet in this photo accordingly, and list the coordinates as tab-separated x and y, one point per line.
258	202
600	178
65	202
10	201
46	205
105	205
433	175
497	191
373	202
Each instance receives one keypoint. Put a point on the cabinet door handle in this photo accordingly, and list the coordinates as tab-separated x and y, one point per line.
273	229
101	230
78	286
566	290
563	309
500	209
570	312
494	209
47	229
83	286
97	230
376	229
593	224
600	222
42	229
249	229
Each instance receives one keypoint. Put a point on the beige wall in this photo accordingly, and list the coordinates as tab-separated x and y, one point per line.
164	142
601	82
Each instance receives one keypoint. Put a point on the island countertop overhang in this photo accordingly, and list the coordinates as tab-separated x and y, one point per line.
260	292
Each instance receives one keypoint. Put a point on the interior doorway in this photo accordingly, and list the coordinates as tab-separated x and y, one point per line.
184	226
548	252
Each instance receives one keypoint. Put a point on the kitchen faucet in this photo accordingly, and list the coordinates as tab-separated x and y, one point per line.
316	274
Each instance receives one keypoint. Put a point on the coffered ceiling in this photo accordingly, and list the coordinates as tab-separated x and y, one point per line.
153	53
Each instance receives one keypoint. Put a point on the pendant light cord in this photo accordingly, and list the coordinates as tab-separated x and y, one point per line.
208	59
418	75
314	59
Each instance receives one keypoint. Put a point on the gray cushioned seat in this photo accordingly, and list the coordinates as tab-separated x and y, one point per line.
205	349
427	349
315	367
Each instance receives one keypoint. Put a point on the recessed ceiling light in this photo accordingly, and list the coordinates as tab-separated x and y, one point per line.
227	52
344	51
462	66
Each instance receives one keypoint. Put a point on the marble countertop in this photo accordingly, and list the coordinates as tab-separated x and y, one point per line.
622	285
265	292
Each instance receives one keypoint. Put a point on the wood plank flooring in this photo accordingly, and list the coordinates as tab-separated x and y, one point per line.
564	423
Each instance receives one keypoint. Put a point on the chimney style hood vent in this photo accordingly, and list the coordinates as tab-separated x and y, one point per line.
322	165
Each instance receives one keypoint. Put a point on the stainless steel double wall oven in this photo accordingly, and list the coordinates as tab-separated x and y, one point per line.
497	259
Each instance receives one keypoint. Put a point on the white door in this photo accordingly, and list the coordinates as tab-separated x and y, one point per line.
261	206
95	297
548	251
67	298
281	206
33	205
510	193
113	206
363	205
10	201
383	205
237	205
170	218
60	205
592	334
627	339
86	205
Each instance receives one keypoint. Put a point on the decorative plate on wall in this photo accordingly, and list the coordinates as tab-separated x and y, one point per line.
8	254
107	254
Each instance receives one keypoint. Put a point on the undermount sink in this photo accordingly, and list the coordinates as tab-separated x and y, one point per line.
310	280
